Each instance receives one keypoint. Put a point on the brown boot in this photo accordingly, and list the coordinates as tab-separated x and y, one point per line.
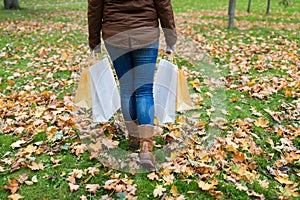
133	135
146	144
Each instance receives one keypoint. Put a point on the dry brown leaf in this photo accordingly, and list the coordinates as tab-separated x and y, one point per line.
34	166
158	191
110	144
261	122
13	186
92	188
205	186
15	197
174	191
153	176
284	180
22	178
73	187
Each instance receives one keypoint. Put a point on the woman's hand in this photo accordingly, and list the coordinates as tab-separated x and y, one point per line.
170	49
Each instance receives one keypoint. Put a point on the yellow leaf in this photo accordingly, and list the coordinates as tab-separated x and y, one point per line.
29	149
261	122
288	93
64	55
284	180
234	99
205	186
15	197
202	123
174	191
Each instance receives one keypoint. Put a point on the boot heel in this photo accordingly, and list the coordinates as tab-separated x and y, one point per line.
146	133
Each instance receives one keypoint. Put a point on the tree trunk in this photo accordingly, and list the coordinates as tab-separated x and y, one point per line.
249	5
231	10
268	7
11	4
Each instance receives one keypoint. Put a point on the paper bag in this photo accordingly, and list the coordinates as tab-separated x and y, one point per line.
165	92
83	97
105	94
183	99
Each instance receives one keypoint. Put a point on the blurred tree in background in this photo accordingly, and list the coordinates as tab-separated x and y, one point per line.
11	4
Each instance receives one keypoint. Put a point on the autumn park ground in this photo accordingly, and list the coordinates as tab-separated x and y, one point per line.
242	140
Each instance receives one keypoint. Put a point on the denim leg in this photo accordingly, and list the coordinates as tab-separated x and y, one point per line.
144	61
123	65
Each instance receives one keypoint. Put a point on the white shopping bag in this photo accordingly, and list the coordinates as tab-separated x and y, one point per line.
105	94
165	85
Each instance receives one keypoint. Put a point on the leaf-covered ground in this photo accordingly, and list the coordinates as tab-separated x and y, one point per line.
242	140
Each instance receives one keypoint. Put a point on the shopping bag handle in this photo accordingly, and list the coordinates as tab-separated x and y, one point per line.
98	56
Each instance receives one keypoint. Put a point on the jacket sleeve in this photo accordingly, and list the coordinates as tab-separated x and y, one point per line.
166	17
95	14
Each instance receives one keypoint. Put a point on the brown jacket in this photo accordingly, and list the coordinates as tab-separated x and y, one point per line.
130	23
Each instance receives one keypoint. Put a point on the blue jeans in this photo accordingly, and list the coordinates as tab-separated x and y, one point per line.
135	71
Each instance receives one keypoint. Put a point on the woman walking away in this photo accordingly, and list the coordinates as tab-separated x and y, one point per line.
130	30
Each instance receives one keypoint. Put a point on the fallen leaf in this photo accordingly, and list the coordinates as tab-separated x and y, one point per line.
174	191
17	144
205	186
34	179
15	197
34	166
284	180
158	191
153	176
73	187
261	122
92	188
13	186
22	178
110	144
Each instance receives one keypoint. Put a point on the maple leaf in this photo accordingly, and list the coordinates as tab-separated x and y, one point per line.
110	144
73	187
82	197
13	186
17	144
55	162
92	188
284	180
22	178
76	173
174	191
110	184
34	166
15	197
79	149
239	157
131	189
205	186
153	176
158	191
168	179
29	149
93	170
261	122
71	179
